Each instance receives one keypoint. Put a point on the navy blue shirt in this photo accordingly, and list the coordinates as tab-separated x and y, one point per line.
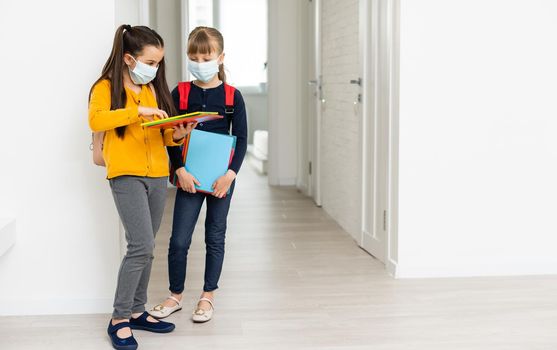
212	100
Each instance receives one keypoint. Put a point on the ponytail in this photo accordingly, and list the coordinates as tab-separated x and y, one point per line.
132	40
222	75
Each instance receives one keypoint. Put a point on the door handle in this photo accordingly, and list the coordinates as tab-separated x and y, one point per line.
356	81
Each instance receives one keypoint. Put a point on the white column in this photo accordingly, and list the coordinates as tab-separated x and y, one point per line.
283	90
66	256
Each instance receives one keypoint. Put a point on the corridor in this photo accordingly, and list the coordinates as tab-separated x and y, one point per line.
293	279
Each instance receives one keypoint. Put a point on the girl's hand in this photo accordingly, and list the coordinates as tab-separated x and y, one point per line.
180	131
221	186
187	180
151	113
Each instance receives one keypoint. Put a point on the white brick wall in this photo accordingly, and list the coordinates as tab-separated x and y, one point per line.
340	145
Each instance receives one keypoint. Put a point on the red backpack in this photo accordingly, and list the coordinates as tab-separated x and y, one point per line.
184	88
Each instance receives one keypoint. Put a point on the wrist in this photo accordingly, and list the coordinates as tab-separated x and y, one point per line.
181	170
231	174
176	139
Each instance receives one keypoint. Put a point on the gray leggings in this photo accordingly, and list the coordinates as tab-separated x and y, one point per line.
140	202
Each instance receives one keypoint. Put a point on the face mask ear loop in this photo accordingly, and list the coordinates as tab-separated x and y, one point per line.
133	60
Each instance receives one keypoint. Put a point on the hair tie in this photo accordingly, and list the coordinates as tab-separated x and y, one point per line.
127	27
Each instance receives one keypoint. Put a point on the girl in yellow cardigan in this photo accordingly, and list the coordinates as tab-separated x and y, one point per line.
132	89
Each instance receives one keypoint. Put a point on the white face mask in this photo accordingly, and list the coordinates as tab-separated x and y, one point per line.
204	71
142	73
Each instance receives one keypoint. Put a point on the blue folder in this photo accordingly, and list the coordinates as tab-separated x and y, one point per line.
208	157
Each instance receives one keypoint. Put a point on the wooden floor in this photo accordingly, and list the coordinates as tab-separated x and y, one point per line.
293	279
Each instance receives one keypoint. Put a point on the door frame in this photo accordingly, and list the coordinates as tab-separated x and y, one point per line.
184	27
371	46
314	129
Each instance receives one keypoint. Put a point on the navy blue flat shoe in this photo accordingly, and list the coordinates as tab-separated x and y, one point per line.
143	324
121	343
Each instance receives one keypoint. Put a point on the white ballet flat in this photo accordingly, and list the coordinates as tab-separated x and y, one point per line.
200	315
161	311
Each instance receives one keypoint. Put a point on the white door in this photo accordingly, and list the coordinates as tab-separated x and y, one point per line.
315	99
376	31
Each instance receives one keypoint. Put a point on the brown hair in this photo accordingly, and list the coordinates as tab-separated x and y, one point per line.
206	40
132	40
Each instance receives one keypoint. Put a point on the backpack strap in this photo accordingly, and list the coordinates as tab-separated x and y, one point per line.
229	98
184	88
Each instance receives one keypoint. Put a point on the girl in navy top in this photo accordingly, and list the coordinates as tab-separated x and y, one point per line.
208	92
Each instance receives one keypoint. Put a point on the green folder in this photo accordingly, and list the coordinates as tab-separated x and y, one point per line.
184	118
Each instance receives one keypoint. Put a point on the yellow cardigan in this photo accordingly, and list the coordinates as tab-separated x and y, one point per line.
142	151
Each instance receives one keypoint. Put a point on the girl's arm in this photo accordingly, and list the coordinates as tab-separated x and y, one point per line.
175	156
240	130
101	118
174	152
169	141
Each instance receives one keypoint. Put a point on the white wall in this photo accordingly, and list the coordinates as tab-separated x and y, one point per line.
135	12
284	102
256	106
8	149
478	148
128	12
67	251
168	25
341	126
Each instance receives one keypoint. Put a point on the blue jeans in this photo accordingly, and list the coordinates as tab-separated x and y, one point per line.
186	212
